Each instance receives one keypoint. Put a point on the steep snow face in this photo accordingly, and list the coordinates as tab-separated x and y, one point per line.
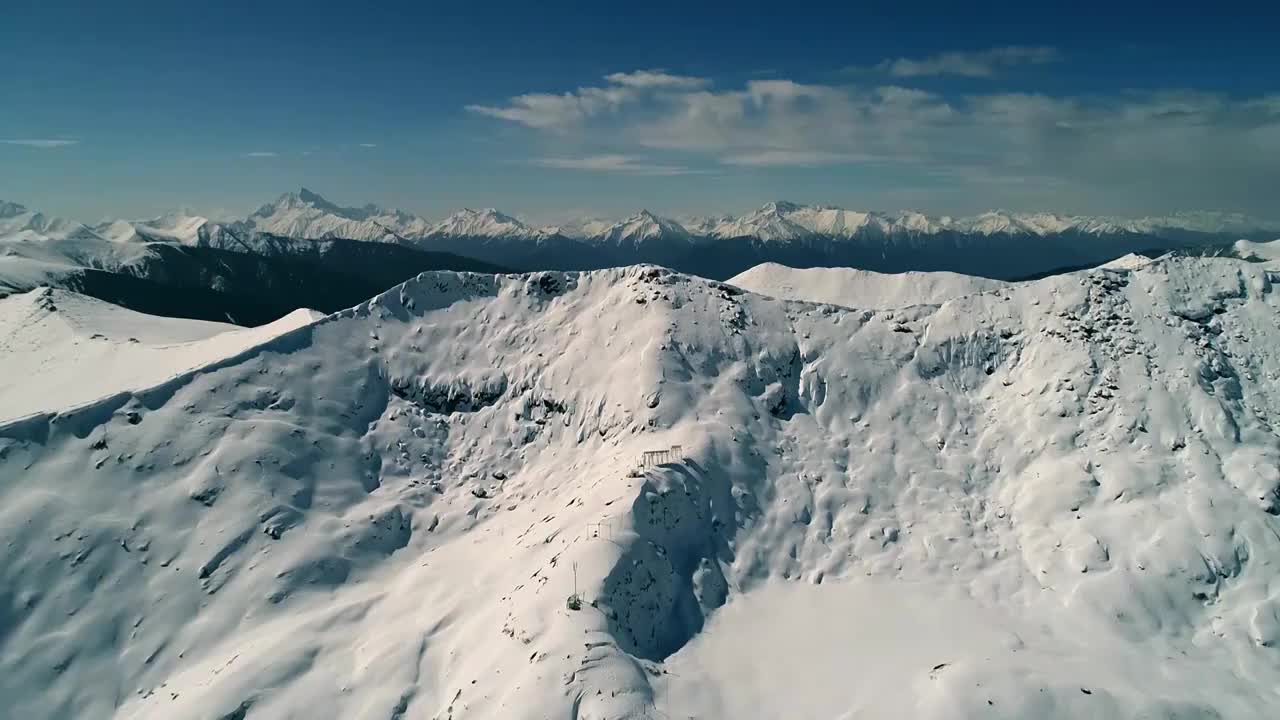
1056	499
481	223
60	349
305	214
861	288
640	228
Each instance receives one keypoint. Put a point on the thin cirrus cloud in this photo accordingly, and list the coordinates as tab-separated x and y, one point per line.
261	154
44	143
979	64
623	164
368	145
796	158
1102	149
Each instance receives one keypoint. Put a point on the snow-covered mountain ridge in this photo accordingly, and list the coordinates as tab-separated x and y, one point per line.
860	288
386	513
307	215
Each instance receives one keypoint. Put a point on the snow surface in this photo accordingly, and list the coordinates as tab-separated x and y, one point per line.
861	288
1056	499
1268	252
60	349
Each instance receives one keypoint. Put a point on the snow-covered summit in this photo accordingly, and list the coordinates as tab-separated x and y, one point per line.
1004	505
861	288
642	227
305	214
770	223
487	223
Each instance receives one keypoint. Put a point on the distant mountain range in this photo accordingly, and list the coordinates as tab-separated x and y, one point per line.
303	235
305	214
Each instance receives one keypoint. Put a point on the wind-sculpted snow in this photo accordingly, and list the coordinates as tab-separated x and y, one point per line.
1056	499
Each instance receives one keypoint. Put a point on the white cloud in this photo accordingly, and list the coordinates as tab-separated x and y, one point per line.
564	111
656	79
983	63
795	158
555	112
626	164
41	142
1145	149
368	145
261	154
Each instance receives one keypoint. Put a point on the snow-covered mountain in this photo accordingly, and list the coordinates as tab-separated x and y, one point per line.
177	227
770	223
579	228
305	214
486	223
17	222
638	229
784	221
1057	499
997	244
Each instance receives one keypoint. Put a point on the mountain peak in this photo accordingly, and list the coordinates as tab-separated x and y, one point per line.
481	222
780	206
307	214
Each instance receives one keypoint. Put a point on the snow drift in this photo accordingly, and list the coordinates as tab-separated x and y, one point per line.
1056	499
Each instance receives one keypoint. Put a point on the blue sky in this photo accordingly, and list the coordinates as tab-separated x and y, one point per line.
549	109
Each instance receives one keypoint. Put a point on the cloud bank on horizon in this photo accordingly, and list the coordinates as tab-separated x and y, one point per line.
1194	146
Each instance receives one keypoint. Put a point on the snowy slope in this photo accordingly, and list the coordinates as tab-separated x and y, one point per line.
1268	252
1055	500
1131	261
28	261
860	288
60	349
19	274
640	228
